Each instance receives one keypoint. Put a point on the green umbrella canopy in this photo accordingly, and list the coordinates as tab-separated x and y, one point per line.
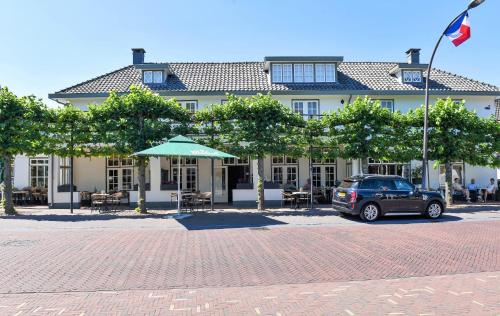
181	146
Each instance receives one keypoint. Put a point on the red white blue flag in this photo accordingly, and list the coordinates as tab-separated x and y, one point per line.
459	31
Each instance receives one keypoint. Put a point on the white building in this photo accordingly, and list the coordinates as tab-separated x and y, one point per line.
309	85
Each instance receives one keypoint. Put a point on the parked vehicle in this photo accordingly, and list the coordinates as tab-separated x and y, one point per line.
372	196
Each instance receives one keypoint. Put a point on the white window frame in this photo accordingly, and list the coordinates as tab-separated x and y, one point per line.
330	72
147	76
64	170
305	105
308	73
385	102
43	178
287	73
190	105
320	72
277	73
298	73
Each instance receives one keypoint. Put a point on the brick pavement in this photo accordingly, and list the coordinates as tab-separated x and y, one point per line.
89	260
463	294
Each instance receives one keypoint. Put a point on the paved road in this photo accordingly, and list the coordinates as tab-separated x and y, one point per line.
255	265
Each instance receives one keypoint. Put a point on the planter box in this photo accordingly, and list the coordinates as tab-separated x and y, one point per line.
65	188
148	187
272	185
244	186
168	187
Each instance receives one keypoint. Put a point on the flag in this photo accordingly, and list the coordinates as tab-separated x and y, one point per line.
459	31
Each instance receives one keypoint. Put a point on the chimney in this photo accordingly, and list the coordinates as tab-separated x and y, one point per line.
413	56
138	55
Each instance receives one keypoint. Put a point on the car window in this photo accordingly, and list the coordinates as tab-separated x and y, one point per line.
386	184
369	184
348	184
403	185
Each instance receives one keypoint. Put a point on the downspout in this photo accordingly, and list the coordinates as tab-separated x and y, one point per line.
52	181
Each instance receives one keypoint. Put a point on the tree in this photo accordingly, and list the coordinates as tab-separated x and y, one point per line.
457	134
362	130
255	126
71	136
135	121
22	131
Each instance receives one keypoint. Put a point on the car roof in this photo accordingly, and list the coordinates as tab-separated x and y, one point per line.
372	176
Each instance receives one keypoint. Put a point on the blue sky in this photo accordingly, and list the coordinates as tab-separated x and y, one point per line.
49	45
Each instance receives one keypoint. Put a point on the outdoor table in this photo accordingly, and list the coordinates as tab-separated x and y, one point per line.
102	197
20	196
297	197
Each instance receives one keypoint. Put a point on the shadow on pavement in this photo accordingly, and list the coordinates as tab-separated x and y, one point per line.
78	218
473	208
228	220
405	219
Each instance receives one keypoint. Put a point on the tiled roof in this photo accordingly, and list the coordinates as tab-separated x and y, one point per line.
250	76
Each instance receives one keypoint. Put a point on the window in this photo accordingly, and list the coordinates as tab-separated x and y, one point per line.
316	177
191	106
312	107
191	179
39	172
278	175
348	168
155	76
320	72
457	101
386	168
386	184
388	104
330	73
64	171
298	107
185	161
120	174
277	73
236	162
412	76
456	172
148	77
298	73
287	73
308	73
403	185
291	175
329	176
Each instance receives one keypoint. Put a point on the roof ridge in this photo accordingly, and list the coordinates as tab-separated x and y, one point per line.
95	78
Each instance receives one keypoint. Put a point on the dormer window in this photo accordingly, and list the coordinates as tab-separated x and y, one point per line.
298	73
153	76
412	76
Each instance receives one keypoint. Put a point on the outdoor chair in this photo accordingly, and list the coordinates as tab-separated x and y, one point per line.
205	198
98	203
287	197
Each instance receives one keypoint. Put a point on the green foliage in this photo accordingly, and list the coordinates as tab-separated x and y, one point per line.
362	129
125	124
23	124
23	130
72	133
457	134
255	126
136	121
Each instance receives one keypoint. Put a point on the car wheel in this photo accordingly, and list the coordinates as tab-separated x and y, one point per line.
434	210
370	212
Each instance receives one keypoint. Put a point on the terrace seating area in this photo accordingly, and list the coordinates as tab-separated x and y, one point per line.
30	196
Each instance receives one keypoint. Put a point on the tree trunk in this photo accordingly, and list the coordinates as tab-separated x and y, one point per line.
260	184
448	183
141	202
7	203
364	165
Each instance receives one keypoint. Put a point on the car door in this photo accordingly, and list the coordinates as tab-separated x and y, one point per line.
409	200
387	195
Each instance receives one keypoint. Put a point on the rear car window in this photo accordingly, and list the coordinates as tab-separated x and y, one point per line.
378	184
348	184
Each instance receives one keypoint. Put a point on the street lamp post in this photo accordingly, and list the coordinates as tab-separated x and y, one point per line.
425	159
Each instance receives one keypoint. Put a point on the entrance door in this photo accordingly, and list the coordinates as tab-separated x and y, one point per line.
221	187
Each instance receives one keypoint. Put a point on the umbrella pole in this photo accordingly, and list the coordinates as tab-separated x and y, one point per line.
212	186
179	185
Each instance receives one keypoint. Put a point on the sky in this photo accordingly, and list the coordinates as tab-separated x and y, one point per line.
48	45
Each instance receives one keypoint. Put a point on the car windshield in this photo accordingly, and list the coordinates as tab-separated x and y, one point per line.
348	184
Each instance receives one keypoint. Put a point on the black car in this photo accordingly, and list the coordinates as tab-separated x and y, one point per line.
372	196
